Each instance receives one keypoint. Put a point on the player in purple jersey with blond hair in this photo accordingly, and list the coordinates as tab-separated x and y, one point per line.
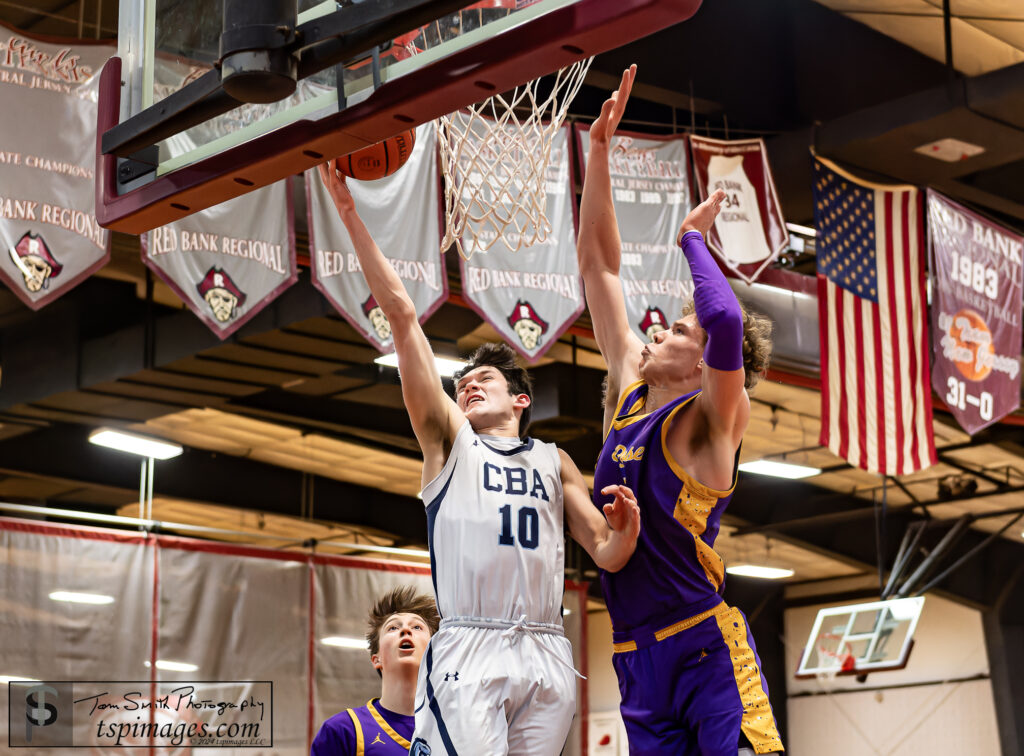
399	627
675	413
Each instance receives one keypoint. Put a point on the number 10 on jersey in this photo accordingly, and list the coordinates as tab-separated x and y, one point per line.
528	530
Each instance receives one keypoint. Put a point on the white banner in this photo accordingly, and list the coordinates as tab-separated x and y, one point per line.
51	240
401	212
229	261
531	296
651	192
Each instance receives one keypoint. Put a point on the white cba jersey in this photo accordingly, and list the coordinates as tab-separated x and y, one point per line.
495	529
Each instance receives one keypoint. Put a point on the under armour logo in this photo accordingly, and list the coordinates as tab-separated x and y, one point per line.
454	676
377	740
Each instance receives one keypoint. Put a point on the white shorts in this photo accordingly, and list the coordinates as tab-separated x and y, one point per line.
488	691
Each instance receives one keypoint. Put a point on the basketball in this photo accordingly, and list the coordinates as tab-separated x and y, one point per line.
378	160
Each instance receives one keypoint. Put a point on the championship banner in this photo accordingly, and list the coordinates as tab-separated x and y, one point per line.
229	261
401	212
651	193
976	309
51	240
531	296
750	232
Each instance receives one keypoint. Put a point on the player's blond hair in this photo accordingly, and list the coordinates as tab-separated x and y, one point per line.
757	343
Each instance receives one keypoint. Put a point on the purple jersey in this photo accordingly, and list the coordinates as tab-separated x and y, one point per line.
675	571
370	730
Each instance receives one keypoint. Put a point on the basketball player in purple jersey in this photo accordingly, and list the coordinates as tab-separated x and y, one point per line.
675	413
399	628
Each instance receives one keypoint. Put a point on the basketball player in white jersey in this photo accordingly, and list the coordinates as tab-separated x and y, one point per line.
497	677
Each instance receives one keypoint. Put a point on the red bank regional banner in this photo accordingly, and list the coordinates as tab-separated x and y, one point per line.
48	230
750	232
230	261
402	213
651	194
975	313
532	295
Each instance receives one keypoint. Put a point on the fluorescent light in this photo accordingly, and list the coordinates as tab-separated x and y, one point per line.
796	228
135	443
15	678
173	666
81	598
778	469
343	642
446	366
757	571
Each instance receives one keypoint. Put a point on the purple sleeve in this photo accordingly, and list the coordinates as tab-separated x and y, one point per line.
718	311
336	737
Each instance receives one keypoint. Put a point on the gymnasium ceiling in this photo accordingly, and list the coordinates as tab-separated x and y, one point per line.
292	433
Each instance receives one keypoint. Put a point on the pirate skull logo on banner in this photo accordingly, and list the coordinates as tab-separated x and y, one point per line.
230	261
650	191
48	224
401	212
532	295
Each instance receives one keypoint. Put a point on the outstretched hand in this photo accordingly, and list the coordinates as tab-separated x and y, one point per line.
336	185
604	127
702	217
622	513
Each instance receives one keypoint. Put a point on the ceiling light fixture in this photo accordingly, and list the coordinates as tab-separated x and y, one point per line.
778	469
173	666
81	598
14	678
342	642
796	228
760	571
446	366
135	443
949	150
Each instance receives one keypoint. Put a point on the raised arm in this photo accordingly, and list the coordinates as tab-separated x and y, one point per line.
599	249
609	539
435	417
723	399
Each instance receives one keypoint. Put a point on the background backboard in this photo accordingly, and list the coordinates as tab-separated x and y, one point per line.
861	638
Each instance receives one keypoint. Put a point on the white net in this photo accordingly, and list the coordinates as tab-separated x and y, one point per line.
494	157
494	154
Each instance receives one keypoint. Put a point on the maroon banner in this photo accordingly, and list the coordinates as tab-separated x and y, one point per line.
976	308
750	232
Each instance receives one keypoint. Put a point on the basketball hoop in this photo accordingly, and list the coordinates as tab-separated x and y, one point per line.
834	654
495	154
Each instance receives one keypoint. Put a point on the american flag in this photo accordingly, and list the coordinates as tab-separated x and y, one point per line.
876	410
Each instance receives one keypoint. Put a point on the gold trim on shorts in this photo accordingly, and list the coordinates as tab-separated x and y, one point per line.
678	627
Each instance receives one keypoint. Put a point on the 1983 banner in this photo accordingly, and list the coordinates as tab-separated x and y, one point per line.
976	310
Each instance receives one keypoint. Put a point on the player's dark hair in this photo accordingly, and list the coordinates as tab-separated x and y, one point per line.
401	600
501	357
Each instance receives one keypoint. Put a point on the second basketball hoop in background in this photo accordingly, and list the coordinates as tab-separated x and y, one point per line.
378	160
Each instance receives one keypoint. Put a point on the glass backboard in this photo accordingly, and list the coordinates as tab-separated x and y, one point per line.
861	638
436	68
